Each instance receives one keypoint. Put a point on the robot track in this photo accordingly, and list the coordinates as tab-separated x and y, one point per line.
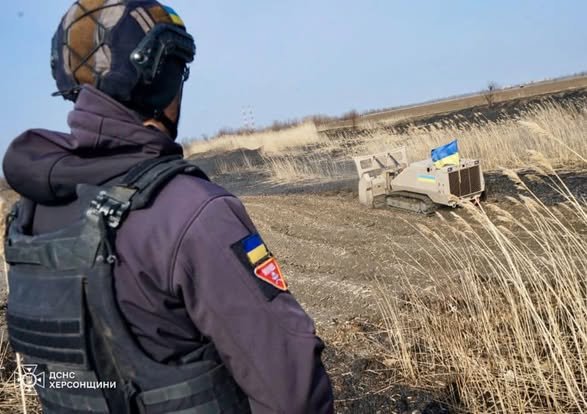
416	203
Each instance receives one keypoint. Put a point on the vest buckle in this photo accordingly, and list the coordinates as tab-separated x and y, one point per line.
110	208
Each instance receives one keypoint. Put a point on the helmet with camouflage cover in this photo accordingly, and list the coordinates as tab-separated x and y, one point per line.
135	51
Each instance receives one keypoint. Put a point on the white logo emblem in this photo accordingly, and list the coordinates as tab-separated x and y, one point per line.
30	378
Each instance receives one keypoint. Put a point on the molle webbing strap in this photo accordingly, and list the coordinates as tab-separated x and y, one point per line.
211	393
64	254
53	327
31	254
185	389
66	402
47	353
45	340
52	340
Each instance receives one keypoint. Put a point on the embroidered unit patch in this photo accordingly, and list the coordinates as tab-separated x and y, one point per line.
270	272
261	265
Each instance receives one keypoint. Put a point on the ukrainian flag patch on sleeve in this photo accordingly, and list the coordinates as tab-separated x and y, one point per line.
261	264
254	248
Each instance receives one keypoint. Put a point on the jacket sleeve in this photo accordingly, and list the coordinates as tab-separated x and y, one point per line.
269	346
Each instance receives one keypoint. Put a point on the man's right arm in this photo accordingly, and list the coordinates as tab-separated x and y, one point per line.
263	335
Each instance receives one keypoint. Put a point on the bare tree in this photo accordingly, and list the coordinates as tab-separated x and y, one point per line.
352	116
489	93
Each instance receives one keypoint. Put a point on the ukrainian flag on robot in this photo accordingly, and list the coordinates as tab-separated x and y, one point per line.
446	155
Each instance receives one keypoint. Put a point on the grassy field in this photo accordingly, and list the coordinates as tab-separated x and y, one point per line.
302	153
469	311
507	331
487	308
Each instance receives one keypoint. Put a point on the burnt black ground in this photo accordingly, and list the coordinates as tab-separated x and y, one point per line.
478	114
497	184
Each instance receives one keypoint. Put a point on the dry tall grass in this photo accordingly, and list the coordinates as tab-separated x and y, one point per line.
11	395
506	330
9	391
290	169
270	142
301	152
556	131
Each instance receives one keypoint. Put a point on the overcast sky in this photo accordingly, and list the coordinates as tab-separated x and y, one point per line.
288	59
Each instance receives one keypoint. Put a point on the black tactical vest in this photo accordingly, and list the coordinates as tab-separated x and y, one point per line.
64	320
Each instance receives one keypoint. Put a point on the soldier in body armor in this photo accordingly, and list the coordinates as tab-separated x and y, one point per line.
127	265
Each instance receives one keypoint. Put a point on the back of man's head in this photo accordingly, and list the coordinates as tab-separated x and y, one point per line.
135	51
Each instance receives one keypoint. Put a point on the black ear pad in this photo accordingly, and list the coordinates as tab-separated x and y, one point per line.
147	98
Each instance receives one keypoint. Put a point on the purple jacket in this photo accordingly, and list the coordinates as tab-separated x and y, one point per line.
178	278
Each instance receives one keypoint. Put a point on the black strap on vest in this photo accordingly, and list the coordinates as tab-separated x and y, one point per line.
150	177
139	187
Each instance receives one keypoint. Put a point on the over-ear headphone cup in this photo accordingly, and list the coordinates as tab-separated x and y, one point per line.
161	92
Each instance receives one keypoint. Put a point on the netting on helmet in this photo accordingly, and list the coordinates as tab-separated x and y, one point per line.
76	59
94	42
80	47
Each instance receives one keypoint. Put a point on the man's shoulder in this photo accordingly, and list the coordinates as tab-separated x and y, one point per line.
190	194
162	224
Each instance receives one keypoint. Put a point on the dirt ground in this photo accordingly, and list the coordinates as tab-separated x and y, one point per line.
332	251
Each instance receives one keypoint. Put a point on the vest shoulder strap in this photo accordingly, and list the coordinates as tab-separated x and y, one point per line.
139	188
149	178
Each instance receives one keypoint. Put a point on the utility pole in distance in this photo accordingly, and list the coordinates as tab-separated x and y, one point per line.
248	118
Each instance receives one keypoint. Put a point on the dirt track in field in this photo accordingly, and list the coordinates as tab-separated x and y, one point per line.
332	248
335	253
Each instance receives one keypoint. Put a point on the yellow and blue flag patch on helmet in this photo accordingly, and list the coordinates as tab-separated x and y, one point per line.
174	16
446	155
